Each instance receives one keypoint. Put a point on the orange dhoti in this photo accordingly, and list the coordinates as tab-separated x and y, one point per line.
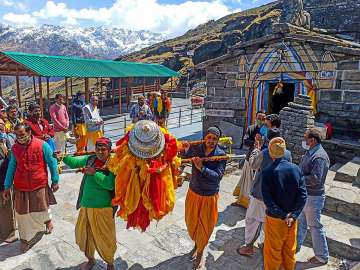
201	215
280	244
80	133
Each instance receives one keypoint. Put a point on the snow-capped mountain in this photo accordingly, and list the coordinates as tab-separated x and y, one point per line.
102	42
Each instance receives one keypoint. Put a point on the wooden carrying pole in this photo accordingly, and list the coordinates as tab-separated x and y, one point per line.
41	97
18	90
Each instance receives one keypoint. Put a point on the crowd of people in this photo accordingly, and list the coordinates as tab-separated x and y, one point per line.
282	199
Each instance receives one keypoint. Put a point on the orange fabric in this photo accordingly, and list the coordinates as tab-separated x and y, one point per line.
201	214
80	133
280	244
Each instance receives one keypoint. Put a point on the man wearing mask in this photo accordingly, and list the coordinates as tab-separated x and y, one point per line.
255	214
243	187
140	111
12	118
78	121
60	118
40	127
27	172
94	122
7	222
314	165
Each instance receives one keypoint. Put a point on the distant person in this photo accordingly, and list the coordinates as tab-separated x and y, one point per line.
243	187
78	121
255	213
7	221
314	165
40	127
284	195
60	118
28	173
14	102
162	108
95	227
94	122
140	111
3	115
12	118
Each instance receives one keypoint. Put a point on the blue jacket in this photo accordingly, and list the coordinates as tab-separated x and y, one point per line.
262	157
283	189
207	181
77	115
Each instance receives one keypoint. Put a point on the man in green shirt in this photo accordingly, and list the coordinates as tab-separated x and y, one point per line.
95	227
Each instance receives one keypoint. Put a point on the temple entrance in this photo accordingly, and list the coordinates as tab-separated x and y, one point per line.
280	94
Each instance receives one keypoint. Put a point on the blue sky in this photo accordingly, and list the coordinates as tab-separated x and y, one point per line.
171	17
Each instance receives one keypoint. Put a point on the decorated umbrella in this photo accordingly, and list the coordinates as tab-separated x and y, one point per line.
146	168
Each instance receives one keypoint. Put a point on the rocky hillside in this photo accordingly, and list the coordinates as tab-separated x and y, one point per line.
213	39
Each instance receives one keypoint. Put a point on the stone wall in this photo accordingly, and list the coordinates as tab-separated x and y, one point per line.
225	103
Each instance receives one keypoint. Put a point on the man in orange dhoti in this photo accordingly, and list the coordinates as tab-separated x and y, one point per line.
201	211
284	194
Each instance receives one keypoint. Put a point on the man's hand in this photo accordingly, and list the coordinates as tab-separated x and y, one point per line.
289	220
46	136
89	171
198	163
259	142
6	195
54	187
141	113
185	146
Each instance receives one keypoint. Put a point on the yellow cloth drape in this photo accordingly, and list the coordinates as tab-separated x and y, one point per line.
159	104
94	135
201	215
80	133
95	230
312	94
280	244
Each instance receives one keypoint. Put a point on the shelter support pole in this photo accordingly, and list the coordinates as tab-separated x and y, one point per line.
87	90
71	87
48	90
101	93
119	89
143	87
34	86
113	91
41	97
66	93
18	90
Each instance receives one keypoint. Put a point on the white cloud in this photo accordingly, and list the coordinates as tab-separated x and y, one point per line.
15	4
171	19
19	19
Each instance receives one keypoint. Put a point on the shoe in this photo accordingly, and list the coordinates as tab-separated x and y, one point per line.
246	251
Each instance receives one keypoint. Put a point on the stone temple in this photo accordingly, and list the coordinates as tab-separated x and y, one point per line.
305	74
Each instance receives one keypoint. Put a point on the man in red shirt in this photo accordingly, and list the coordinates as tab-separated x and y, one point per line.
40	127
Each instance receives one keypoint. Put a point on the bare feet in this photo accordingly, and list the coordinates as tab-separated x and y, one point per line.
314	260
88	265
246	251
49	227
110	267
192	253
11	239
198	262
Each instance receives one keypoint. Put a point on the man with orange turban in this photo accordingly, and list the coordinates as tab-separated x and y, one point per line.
201	212
284	194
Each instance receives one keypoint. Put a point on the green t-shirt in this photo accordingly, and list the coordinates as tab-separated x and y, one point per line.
98	188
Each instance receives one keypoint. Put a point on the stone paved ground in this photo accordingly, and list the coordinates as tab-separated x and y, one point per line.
163	246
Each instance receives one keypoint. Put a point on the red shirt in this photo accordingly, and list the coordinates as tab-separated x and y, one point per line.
41	128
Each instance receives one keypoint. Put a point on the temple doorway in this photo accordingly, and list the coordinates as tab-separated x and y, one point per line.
280	94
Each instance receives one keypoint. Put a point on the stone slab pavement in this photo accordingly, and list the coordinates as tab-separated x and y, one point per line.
164	246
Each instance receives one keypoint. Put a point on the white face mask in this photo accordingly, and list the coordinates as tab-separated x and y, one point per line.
304	145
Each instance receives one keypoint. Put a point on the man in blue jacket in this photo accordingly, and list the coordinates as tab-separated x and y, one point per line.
284	194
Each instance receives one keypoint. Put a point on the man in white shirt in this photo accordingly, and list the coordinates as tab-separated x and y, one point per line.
94	123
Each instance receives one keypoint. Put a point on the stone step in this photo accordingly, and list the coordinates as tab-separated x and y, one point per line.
350	85
342	238
349	65
350	75
349	171
343	199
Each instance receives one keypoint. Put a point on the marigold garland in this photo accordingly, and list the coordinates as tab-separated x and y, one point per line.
144	188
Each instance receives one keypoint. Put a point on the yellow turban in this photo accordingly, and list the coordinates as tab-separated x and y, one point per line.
277	147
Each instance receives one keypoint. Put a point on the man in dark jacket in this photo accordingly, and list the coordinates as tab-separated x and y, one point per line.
284	194
78	121
242	189
255	214
314	165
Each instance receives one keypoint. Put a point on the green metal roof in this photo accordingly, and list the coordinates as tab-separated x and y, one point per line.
68	66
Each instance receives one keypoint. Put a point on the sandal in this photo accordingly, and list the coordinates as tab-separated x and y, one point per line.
314	260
